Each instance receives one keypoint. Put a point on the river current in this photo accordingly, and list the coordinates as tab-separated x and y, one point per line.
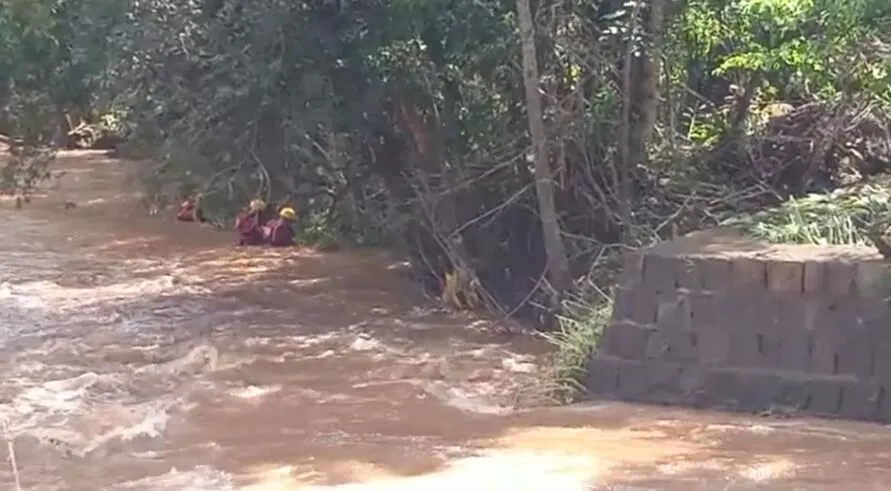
142	354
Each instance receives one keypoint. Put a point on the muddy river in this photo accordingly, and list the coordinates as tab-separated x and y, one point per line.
142	354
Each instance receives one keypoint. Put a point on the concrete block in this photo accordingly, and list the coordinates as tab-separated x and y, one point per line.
798	313
814	277
714	347
881	358
687	274
843	346
763	311
835	313
748	274
746	313
649	381
758	391
855	353
707	311
824	396
623	304
795	348
635	305
714	273
872	279
794	393
874	315
673	312
601	376
626	340
632	269
721	388
840	277
755	349
824	357
672	345
860	401
659	272
884	404
785	276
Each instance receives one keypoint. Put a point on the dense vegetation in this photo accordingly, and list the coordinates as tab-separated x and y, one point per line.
512	145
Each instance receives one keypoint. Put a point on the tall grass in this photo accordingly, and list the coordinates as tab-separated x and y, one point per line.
838	218
575	340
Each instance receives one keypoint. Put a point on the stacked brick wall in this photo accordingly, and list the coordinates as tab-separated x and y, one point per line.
717	320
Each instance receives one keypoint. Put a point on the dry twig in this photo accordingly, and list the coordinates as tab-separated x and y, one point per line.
10	450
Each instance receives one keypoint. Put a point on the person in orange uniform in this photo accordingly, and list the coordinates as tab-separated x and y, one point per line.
190	211
280	232
249	224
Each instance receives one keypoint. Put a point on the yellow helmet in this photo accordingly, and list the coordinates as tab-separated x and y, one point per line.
257	205
288	213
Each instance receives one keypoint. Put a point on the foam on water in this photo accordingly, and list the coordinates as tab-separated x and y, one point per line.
57	396
88	411
100	366
61	390
488	471
101	369
201	478
50	295
255	392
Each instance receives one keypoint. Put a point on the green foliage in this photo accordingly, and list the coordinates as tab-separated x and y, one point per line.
277	98
317	230
799	38
838	218
52	53
327	231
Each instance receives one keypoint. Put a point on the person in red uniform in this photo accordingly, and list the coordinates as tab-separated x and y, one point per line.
280	232
190	211
249	225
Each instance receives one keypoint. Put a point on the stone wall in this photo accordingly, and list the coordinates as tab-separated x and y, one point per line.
717	320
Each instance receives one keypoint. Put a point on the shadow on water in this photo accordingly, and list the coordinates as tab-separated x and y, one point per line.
144	354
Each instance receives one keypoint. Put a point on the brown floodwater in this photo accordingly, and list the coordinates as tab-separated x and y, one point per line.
143	354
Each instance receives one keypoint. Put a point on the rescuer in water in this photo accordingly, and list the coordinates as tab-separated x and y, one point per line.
249	224
280	232
190	210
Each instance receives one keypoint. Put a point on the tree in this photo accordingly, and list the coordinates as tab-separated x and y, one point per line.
557	261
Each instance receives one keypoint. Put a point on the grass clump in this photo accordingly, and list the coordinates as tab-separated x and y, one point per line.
579	331
838	218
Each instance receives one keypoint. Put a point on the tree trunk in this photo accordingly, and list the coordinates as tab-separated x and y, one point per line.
645	91
557	262
640	84
742	108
